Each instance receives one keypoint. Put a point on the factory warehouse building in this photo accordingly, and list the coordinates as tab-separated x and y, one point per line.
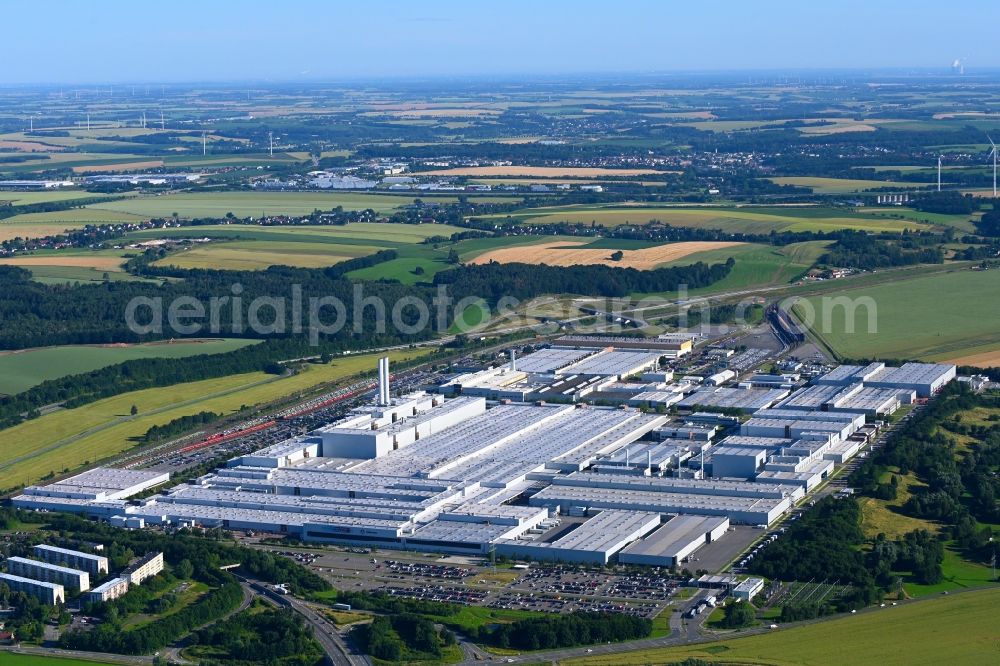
446	470
675	541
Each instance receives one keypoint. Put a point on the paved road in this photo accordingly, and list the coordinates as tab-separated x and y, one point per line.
97	657
333	644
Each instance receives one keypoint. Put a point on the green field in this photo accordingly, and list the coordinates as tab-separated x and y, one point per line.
14	659
21	370
840	185
960	222
92	214
46	196
255	247
69	438
255	204
937	317
758	265
361	233
957	629
746	219
258	255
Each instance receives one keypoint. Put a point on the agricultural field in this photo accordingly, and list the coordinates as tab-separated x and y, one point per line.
541	172
69	438
758	265
258	255
255	247
72	264
959	628
20	370
255	204
17	198
841	185
925	317
362	233
10	230
20	659
576	252
737	219
960	222
251	204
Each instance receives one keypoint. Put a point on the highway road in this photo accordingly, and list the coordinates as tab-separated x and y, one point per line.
332	642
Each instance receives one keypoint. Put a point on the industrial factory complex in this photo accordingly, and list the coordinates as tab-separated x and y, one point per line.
565	454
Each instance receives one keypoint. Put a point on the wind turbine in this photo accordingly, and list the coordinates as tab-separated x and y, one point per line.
939	172
270	143
204	142
993	154
163	125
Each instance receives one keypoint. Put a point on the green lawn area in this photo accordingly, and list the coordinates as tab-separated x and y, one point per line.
93	432
937	317
187	593
957	629
959	574
473	617
21	370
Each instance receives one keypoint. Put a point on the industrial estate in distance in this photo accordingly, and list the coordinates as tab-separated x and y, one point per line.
566	454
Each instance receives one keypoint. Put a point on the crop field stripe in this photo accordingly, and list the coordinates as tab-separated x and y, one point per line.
21	370
104	428
958	629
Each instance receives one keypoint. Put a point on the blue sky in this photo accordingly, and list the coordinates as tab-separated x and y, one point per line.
63	41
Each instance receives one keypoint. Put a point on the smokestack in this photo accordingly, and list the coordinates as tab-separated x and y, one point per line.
649	460
626	456
383	381
513	360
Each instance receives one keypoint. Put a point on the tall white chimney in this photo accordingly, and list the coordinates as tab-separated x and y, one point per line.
513	360
383	381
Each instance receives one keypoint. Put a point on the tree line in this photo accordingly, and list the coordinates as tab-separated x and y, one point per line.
494	281
855	249
962	487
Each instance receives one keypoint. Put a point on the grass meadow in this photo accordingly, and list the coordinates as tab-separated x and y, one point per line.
21	370
937	317
67	439
737	219
958	629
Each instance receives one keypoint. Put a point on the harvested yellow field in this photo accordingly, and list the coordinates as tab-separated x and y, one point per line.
10	231
95	262
444	113
990	359
28	146
542	172
569	253
126	166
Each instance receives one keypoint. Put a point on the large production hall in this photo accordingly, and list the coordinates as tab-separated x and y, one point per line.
465	470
